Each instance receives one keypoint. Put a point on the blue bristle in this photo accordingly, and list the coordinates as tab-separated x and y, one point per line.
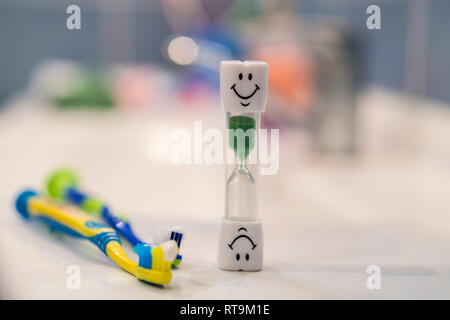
179	239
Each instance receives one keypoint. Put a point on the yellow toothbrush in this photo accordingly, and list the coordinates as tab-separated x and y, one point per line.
154	261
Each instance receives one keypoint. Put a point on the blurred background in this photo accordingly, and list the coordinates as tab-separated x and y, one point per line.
364	119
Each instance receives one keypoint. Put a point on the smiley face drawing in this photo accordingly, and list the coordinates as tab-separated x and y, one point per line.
245	98
243	86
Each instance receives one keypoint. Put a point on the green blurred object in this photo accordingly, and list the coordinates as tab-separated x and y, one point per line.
62	179
58	181
90	89
244	123
245	10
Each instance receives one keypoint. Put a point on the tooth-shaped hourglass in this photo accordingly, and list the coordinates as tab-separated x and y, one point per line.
243	97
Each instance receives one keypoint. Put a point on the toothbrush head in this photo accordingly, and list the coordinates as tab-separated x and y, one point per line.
59	181
169	234
155	262
176	234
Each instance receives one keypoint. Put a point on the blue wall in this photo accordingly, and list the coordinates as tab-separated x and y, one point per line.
32	31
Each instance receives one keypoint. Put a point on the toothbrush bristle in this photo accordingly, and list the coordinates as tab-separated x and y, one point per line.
180	236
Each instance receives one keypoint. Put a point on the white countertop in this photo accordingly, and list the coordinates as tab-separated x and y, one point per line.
325	221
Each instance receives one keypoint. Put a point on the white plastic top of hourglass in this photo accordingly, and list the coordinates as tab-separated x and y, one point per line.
243	86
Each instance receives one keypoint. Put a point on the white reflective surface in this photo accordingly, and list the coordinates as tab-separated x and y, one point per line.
324	222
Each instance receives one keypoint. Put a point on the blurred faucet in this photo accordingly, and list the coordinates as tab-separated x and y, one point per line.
337	65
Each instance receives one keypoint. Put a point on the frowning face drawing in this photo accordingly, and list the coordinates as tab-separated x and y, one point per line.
242	245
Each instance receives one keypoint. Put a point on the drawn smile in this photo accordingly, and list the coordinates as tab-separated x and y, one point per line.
233	87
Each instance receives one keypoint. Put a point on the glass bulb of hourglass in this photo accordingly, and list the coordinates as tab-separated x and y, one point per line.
241	194
241	187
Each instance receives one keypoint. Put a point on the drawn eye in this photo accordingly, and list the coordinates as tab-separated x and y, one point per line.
250	76
240	76
238	257
247	257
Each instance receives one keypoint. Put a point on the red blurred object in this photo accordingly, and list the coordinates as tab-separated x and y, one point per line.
134	88
291	75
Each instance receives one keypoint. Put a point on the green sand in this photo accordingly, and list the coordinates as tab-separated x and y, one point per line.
244	123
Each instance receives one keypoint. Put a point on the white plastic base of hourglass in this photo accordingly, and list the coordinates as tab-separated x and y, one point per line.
240	245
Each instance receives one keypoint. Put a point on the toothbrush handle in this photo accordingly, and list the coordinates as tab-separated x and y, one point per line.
76	222
122	227
69	220
79	198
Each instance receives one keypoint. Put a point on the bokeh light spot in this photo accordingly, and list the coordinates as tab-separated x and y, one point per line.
182	50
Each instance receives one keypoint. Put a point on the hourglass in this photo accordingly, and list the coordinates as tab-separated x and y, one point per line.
243	91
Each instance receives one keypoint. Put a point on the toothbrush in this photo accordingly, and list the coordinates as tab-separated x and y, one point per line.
154	261
63	184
